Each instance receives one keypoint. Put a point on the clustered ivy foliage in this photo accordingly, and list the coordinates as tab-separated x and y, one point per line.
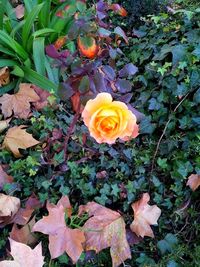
139	9
166	90
166	49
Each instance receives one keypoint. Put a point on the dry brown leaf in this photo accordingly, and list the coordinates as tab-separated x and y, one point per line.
8	205
24	234
23	215
61	238
4	177
19	103
106	228
43	98
76	102
24	256
16	138
4	124
193	181
4	76
33	202
144	216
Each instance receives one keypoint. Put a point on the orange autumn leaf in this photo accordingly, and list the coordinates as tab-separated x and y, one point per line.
17	138
108	120
61	237
193	181
144	216
4	76
87	46
60	42
19	103
9	205
24	256
105	228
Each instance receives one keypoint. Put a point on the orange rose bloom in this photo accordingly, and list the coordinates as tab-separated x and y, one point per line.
108	120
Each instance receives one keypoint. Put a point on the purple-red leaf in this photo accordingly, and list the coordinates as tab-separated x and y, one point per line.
123	86
121	33
128	70
52	51
110	73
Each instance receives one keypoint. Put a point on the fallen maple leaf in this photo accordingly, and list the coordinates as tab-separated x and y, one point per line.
193	181
106	228
9	205
16	138
23	215
4	124
19	103
24	256
4	76
61	238
24	234
43	98
4	177
144	216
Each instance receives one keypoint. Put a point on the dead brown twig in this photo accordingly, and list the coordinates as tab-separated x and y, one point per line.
164	131
71	130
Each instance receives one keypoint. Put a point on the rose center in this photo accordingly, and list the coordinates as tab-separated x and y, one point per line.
108	124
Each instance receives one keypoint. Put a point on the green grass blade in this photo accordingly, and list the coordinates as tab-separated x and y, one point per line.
7	63
8	41
53	73
10	11
16	29
7	51
44	16
2	10
42	32
39	55
58	24
17	71
29	23
39	80
29	5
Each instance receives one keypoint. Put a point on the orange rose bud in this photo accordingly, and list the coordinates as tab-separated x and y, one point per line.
123	12
60	42
88	47
119	9
108	120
